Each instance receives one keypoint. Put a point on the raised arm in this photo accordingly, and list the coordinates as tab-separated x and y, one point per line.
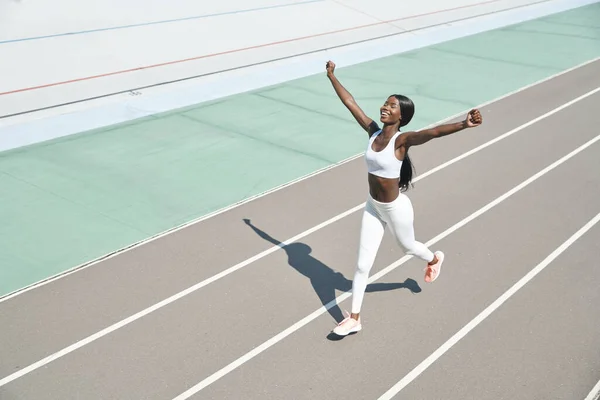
472	120
348	100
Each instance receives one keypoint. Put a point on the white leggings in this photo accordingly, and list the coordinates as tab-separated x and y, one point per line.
399	216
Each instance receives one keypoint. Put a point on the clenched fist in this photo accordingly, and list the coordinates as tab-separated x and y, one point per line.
330	66
473	118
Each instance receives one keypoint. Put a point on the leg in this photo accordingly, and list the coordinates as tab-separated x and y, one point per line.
400	219
371	234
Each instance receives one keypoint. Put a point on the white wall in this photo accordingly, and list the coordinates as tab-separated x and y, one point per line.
74	64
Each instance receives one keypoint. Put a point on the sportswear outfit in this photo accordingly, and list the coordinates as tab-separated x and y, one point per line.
398	215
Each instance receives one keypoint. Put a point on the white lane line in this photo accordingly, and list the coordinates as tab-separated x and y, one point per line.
595	393
191	289
263	194
485	313
283	334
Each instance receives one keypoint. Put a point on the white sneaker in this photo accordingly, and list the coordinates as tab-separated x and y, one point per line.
347	326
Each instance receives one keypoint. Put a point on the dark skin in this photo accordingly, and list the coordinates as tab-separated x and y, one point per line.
383	189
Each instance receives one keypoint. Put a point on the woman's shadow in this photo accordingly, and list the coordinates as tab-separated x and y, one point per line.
323	279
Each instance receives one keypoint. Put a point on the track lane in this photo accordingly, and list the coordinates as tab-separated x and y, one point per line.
223	308
96	297
541	344
401	329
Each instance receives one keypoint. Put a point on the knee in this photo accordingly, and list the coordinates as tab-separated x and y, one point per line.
364	263
363	267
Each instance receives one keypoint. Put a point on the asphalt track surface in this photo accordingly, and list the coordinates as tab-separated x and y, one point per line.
524	199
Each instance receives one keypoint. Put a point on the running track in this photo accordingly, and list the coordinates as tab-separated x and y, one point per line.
514	202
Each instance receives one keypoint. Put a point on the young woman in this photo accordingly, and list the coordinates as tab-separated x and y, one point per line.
389	174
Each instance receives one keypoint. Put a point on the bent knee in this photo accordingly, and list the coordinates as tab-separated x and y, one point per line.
363	267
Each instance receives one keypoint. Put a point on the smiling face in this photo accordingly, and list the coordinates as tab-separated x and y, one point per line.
390	111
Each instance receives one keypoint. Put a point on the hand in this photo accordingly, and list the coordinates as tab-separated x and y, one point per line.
473	118
330	66
247	221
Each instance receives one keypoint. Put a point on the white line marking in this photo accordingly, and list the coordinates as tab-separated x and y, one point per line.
595	393
485	313
277	338
263	194
248	261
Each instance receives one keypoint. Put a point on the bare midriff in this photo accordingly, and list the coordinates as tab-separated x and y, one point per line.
383	190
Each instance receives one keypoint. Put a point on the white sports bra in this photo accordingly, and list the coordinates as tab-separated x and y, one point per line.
383	163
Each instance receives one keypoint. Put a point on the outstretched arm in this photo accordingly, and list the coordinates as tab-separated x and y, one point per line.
472	120
262	233
348	100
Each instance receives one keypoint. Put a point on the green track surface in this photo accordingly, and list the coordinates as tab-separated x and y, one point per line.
70	200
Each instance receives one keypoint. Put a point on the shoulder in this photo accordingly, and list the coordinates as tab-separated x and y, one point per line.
373	128
402	139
